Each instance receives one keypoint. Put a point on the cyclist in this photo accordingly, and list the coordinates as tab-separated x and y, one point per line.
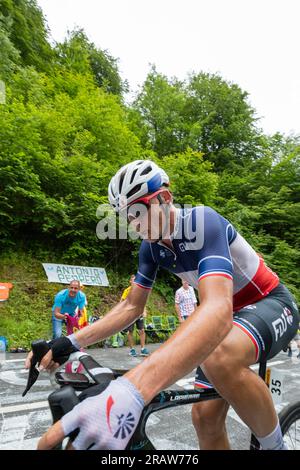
245	314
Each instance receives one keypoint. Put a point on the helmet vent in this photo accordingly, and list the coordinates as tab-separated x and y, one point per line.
146	170
121	181
133	175
134	190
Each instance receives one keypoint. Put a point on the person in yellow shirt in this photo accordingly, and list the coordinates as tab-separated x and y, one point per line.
139	324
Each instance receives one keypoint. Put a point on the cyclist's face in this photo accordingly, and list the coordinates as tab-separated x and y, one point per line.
73	289
146	219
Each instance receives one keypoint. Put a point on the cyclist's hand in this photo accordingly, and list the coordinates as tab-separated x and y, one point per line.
105	421
61	348
46	363
28	360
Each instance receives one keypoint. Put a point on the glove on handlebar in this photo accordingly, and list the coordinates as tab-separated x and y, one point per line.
107	420
61	349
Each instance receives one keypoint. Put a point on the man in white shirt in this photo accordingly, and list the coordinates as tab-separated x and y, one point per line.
185	301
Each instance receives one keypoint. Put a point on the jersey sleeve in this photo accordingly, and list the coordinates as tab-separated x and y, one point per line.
145	277
215	255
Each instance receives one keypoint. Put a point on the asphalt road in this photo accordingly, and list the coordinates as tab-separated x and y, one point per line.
24	420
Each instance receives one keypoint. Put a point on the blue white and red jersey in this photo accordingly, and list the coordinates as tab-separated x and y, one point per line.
206	244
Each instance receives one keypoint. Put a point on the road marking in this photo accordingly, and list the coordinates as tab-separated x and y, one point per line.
14	360
235	416
186	382
13	430
27	406
269	364
11	377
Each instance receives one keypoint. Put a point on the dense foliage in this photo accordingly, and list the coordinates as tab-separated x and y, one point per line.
65	128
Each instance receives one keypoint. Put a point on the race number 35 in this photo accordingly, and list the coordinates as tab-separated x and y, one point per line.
275	381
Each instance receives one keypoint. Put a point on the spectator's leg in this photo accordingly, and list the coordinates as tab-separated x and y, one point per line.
130	339
142	338
56	328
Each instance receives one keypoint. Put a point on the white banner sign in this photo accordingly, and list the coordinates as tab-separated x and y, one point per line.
65	273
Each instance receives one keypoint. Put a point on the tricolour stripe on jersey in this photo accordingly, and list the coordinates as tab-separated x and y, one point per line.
215	273
202	384
262	283
143	287
240	324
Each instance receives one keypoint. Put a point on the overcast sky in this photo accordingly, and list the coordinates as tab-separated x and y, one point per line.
254	43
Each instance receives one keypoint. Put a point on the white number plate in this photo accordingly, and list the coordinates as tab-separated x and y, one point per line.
275	379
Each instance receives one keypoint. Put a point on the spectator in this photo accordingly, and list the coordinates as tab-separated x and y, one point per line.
139	324
66	302
185	301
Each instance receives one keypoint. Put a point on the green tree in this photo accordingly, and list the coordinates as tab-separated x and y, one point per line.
192	179
80	55
58	152
226	130
205	113
9	55
28	32
160	115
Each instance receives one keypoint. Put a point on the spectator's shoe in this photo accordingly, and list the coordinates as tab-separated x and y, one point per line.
132	352
115	344
290	352
144	352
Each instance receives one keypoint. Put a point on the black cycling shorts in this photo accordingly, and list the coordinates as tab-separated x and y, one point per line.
139	324
270	323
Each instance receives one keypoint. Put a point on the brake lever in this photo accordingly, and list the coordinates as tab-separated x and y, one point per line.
39	349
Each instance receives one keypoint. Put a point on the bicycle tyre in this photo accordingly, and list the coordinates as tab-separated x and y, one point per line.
287	418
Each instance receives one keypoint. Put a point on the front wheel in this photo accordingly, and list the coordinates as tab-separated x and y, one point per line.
289	419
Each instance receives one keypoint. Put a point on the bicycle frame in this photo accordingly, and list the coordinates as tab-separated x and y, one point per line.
63	400
165	399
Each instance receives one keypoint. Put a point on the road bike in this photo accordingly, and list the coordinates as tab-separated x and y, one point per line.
96	378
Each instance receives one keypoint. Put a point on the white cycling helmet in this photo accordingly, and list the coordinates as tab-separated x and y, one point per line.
133	181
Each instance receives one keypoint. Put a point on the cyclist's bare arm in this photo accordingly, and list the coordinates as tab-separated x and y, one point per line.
192	342
119	317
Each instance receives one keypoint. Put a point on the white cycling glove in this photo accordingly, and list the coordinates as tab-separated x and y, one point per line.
107	420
